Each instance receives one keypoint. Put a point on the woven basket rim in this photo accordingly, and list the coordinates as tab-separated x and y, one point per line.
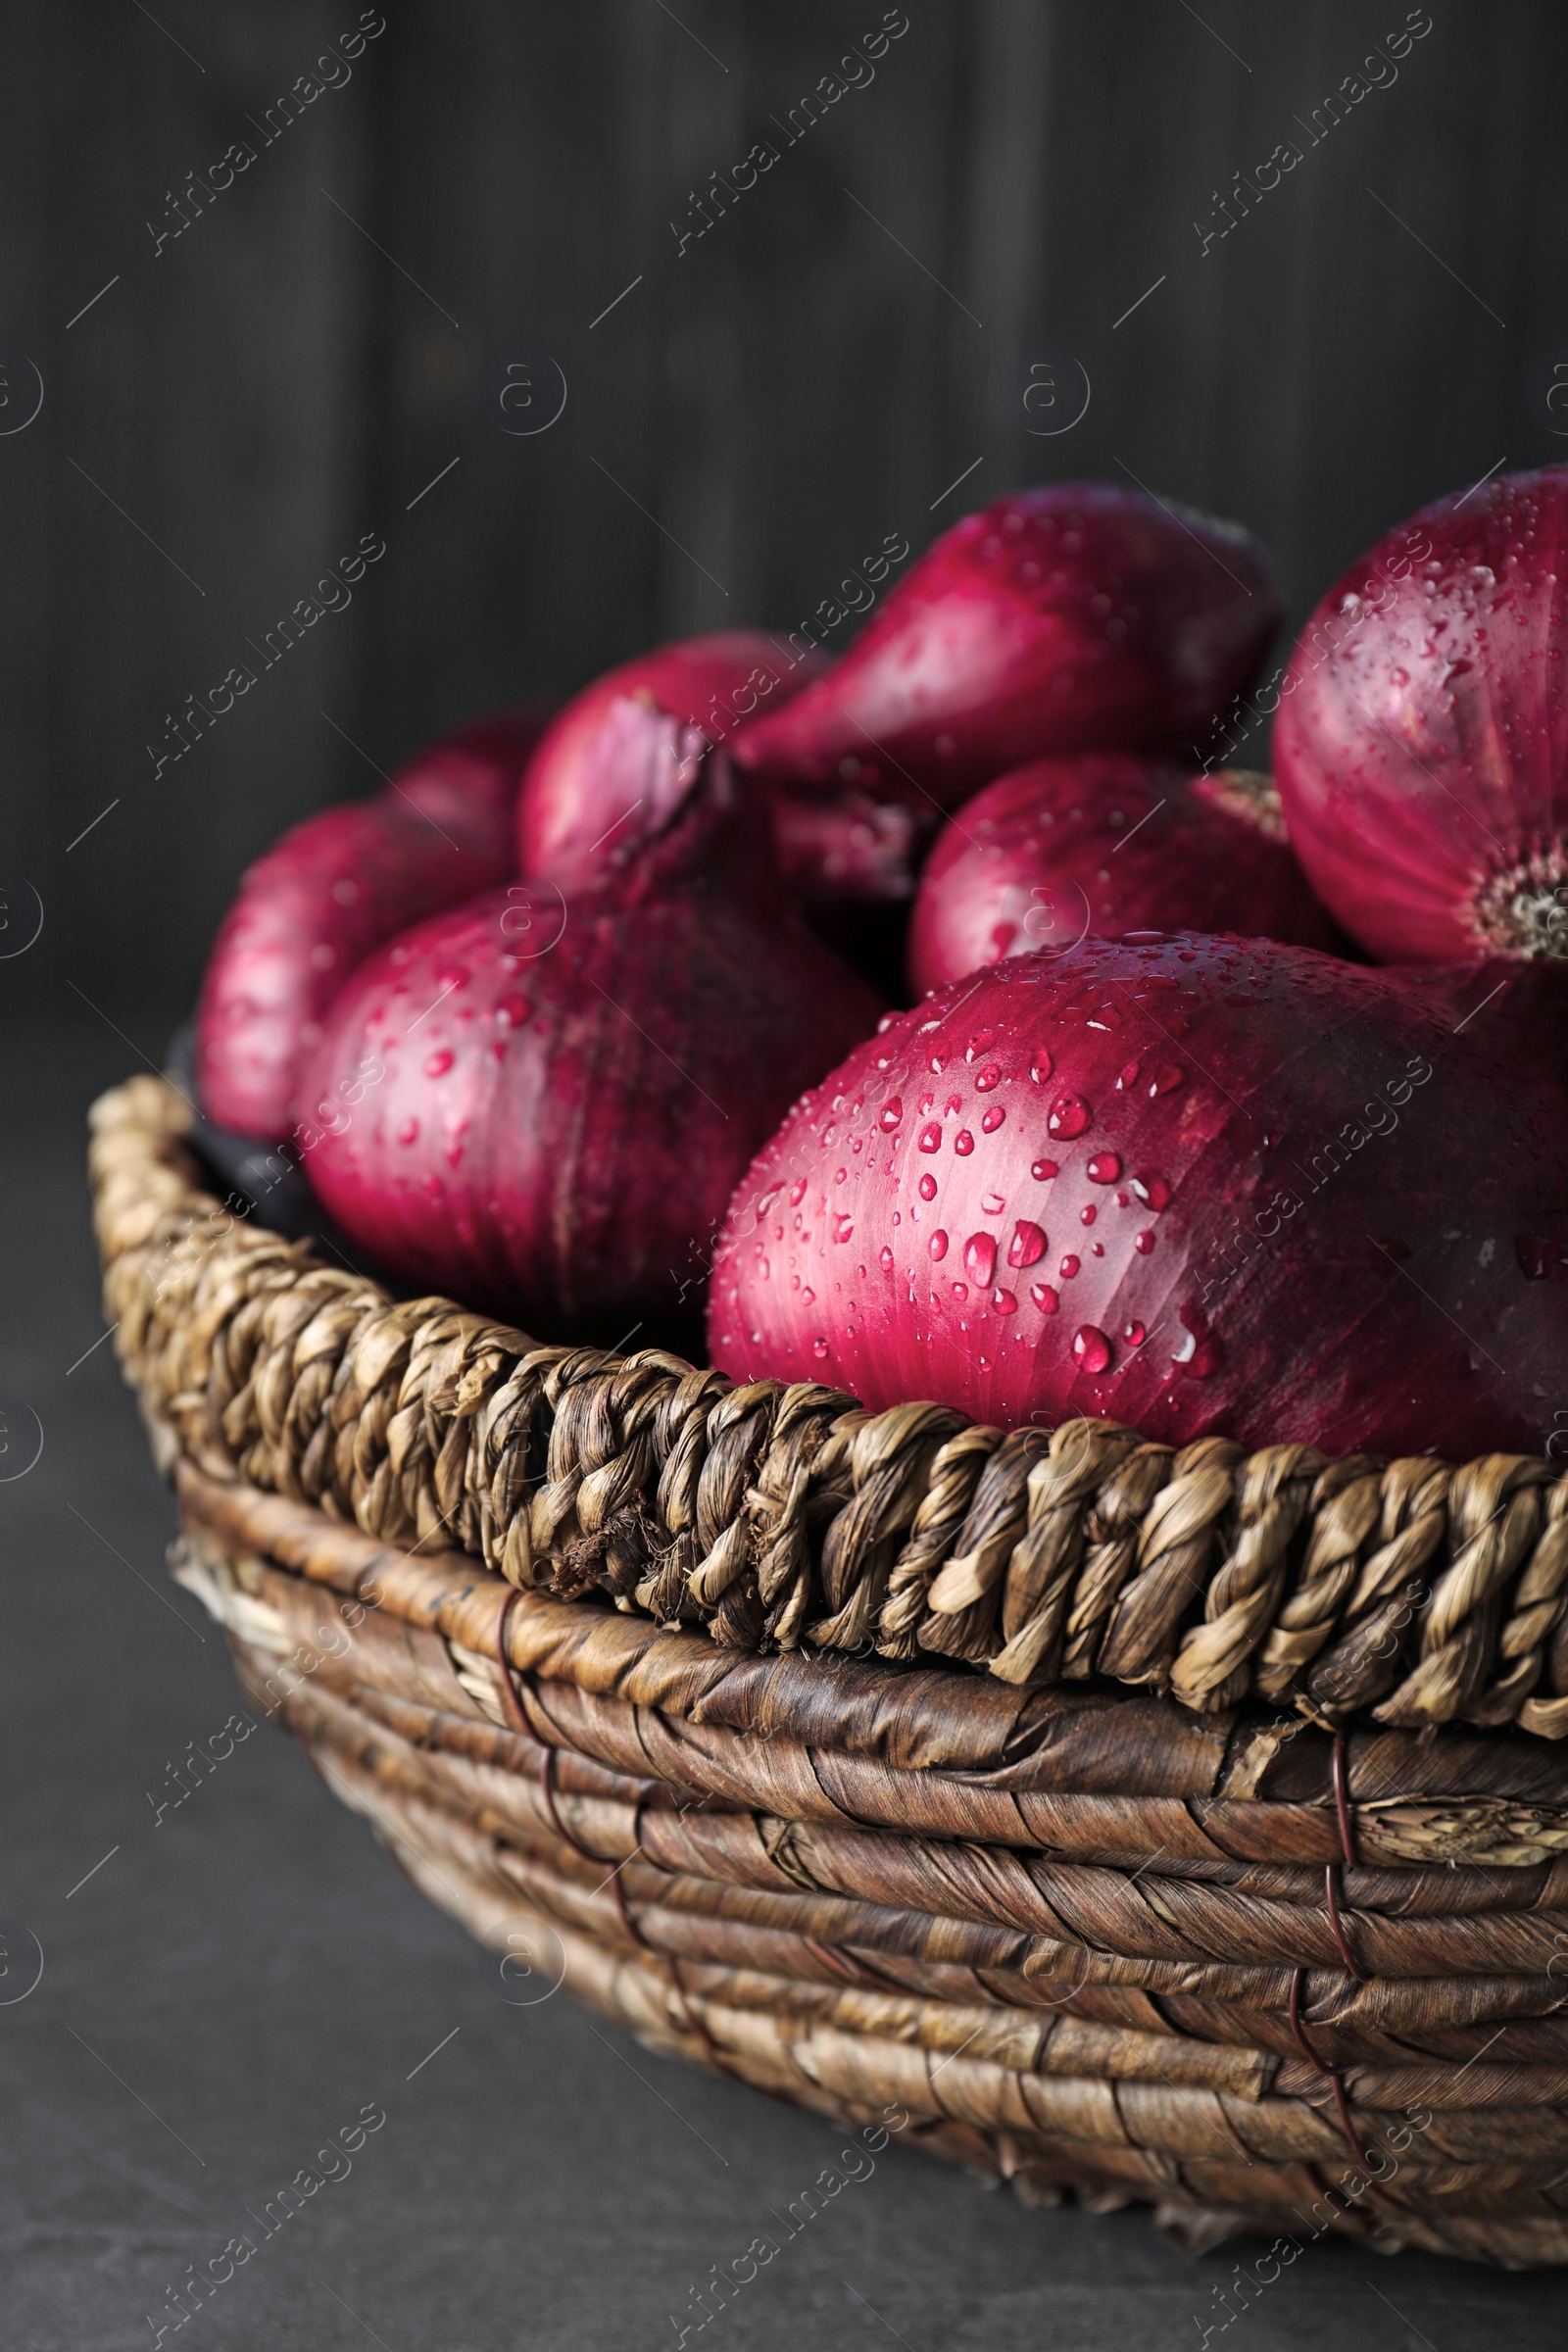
1409	1594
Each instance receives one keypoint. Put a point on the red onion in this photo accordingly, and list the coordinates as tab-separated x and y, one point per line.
540	1103
333	889
844	845
844	854
711	682
1422	739
1063	619
1194	1185
1111	841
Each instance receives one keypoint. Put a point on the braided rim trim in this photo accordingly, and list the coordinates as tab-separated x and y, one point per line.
777	1517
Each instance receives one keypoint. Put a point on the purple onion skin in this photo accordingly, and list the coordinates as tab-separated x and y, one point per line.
1421	745
1109	843
1068	619
570	1086
1332	1203
313	908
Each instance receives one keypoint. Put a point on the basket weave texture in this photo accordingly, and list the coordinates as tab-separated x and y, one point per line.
1181	1896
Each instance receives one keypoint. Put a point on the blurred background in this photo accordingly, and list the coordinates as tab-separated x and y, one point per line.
448	302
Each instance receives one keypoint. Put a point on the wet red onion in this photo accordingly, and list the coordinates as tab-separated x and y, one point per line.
1422	740
1194	1185
1109	843
312	910
1060	620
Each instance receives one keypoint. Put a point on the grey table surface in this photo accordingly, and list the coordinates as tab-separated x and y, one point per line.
227	1986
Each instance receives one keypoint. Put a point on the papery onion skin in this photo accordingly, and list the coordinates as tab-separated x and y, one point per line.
315	905
1076	616
1421	745
570	1086
1189	1092
1108	843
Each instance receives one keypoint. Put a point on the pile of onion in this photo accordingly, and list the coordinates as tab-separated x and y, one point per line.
1206	1182
1145	1152
540	1103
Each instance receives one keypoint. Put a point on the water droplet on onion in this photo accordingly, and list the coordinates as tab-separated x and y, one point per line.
1028	1244
980	1259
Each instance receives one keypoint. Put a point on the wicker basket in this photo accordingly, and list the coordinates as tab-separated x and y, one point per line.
1177	1826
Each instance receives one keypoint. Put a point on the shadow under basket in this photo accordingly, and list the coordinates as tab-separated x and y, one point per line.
1169	1825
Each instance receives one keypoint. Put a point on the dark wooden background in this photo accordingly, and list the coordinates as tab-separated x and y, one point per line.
752	417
